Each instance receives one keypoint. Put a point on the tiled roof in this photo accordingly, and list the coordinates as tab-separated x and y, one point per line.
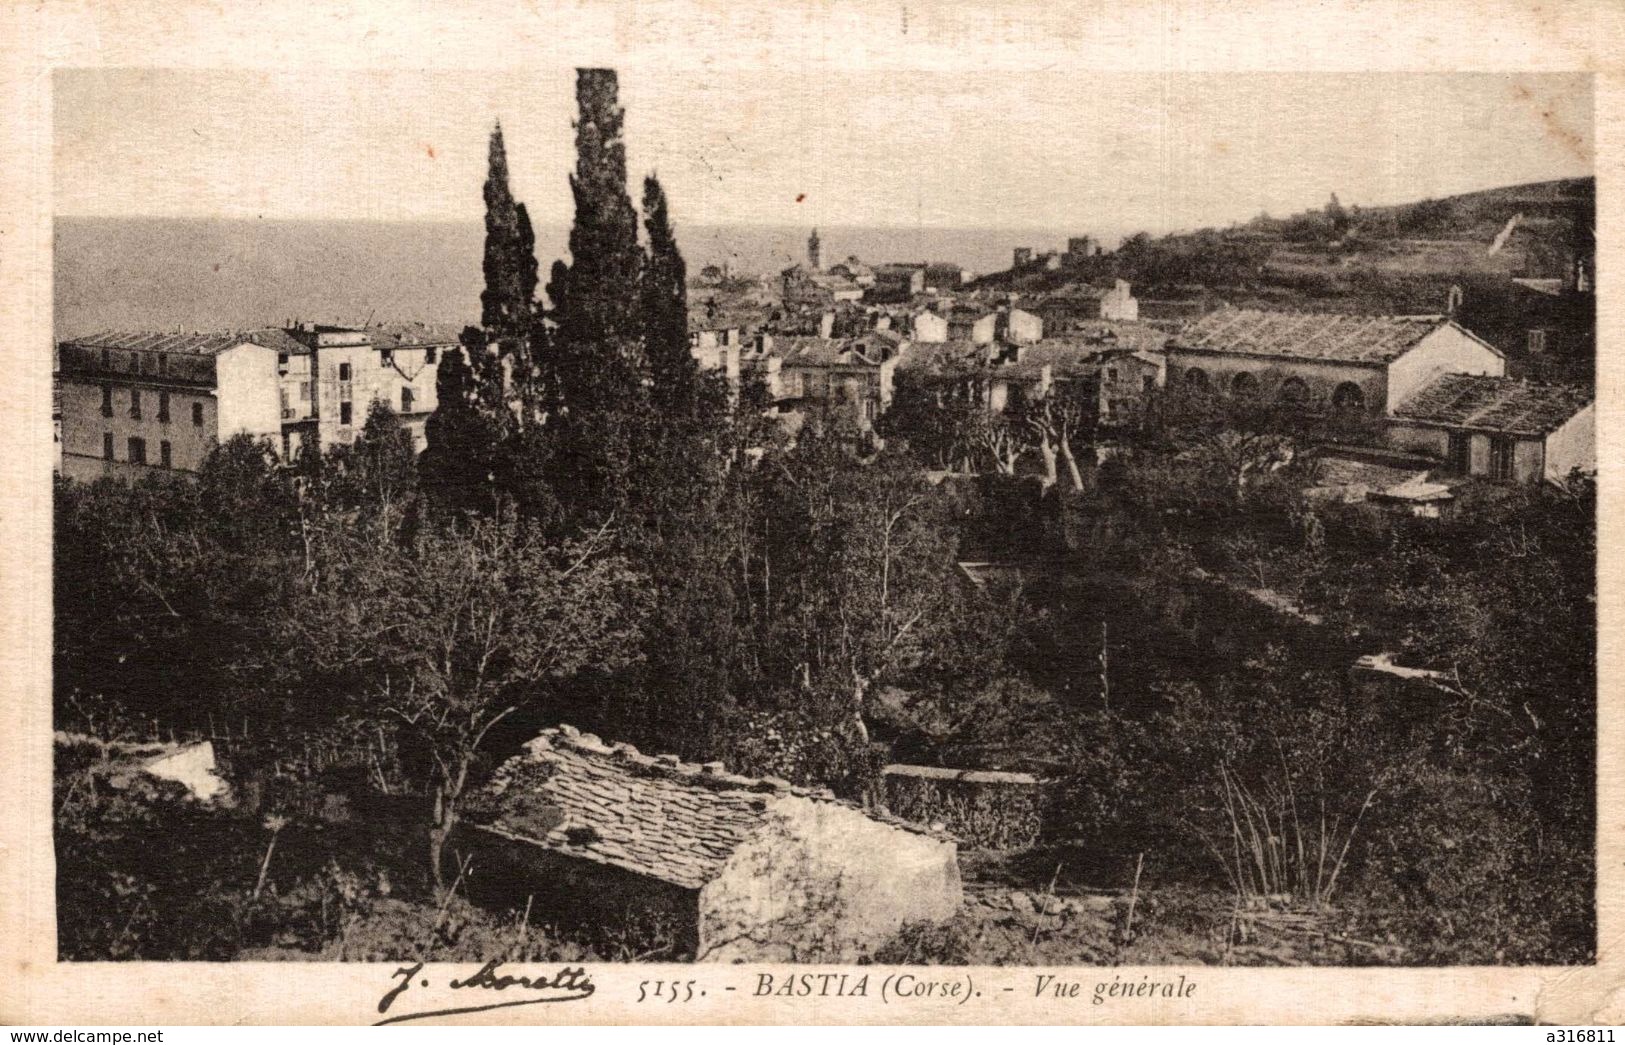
206	344
824	351
1307	335
1496	404
388	335
1086	351
654	816
943	356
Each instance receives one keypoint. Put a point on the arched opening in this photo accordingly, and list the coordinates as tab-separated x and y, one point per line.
1348	398
1196	379
1244	385
1294	390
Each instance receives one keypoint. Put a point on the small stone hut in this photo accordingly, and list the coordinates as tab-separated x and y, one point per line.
734	868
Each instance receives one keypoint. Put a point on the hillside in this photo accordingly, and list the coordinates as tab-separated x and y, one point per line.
1391	258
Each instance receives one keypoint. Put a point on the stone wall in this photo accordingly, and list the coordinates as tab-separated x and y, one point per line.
825	882
563	890
982	810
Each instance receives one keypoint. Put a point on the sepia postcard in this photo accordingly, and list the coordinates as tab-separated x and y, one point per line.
600	513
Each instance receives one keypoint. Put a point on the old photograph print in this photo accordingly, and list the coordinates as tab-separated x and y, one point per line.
598	515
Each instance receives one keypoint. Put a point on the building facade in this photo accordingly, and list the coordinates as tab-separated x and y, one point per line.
350	367
1500	429
851	378
138	403
1077	306
1360	365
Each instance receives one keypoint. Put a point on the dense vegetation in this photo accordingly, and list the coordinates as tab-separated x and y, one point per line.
598	535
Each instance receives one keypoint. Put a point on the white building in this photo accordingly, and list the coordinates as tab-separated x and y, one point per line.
136	403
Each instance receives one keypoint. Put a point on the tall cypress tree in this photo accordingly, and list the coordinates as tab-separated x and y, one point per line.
673	372
472	430
595	297
509	297
596	391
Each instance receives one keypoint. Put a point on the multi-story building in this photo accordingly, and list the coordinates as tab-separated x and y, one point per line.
851	377
135	403
350	367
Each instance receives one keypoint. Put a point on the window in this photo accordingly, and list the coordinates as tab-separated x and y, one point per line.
138	450
1501	447
386	357
1196	379
429	355
344	371
164	457
1461	452
287	409
1348	398
406	400
1243	385
282	362
107	446
197	414
107	400
163	362
1294	390
1537	341
1150	383
1111	374
135	403
344	413
163	407
107	360
304	391
287	446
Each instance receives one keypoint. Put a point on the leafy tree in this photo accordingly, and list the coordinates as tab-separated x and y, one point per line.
858	571
164	579
377	472
1058	420
941	416
446	632
458	468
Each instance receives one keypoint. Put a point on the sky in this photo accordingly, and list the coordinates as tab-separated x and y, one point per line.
1048	151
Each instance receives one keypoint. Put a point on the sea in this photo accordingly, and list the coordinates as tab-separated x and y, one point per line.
219	274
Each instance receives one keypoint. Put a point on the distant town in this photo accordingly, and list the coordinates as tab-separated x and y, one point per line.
835	336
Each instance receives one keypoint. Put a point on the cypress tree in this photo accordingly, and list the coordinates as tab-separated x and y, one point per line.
596	391
673	372
509	297
471	433
455	468
595	297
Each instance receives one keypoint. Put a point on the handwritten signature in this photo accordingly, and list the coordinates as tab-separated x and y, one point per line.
568	984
